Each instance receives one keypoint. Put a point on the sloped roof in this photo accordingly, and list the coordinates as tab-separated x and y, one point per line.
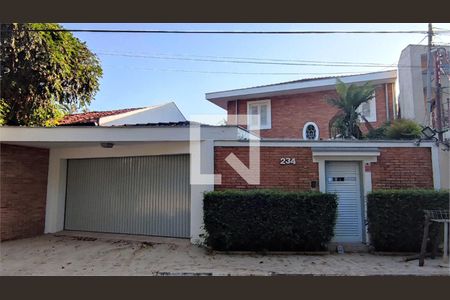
92	117
297	86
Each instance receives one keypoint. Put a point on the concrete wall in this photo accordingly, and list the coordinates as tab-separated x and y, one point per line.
444	164
23	187
412	83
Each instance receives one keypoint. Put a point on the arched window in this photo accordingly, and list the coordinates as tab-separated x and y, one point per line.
310	131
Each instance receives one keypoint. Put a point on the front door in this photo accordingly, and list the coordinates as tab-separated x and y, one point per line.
343	178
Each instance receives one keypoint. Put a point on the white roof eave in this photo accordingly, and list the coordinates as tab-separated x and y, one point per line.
221	98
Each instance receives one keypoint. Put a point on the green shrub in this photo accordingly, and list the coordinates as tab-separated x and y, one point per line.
260	220
378	133
403	129
396	217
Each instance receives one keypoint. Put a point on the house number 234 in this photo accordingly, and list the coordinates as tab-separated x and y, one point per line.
287	161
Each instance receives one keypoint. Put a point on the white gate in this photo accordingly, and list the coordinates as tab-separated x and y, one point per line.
343	178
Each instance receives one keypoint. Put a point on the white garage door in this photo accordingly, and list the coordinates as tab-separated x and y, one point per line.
343	178
148	195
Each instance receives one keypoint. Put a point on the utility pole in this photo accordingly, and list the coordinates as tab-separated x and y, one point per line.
438	94
429	69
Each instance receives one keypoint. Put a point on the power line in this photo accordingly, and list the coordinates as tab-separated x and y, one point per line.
157	31
424	37
239	73
259	62
158	55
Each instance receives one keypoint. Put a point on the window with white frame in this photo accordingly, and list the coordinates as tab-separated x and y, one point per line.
259	115
310	131
369	110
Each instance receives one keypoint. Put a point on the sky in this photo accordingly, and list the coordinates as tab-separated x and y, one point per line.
134	75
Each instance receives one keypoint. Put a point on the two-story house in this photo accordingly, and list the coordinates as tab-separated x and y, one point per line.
102	170
298	153
300	110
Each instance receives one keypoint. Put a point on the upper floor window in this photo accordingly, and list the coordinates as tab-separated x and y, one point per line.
369	110
259	115
310	131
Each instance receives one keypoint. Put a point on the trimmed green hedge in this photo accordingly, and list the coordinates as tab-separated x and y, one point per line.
396	217
267	220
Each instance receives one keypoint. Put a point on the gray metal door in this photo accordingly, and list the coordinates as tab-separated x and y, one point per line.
343	179
148	195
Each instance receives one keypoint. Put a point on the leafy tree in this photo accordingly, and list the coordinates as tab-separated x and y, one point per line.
349	98
43	71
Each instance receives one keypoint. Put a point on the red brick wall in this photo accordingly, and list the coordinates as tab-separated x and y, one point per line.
290	113
398	168
23	189
273	175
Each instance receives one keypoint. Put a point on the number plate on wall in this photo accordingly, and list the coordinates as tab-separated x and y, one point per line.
287	161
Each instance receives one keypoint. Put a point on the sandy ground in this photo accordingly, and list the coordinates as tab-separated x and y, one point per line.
63	255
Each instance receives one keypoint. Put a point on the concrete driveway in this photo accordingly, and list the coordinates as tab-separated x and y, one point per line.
71	255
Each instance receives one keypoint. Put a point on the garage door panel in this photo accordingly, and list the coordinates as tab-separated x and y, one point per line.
136	195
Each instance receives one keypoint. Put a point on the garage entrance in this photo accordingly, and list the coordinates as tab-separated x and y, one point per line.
145	195
343	178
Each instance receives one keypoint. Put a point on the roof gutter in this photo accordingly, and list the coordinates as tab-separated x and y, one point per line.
386	96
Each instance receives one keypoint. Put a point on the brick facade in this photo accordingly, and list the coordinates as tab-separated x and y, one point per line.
273	175
399	168
396	168
291	112
23	187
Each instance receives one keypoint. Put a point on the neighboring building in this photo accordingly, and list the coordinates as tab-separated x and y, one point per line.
412	85
164	113
412	91
299	109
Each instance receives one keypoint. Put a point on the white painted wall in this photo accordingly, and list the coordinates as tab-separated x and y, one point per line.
54	221
444	164
165	113
411	83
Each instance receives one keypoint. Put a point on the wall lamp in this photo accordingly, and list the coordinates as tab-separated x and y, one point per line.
430	134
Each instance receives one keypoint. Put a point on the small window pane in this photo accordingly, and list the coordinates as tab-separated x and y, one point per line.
366	109
263	113
254	120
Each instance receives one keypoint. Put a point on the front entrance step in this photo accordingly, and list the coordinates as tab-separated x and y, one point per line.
348	247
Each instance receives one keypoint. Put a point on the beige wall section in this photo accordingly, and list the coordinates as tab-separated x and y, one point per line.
56	188
444	163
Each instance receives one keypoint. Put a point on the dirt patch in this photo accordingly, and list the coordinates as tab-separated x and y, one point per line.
51	255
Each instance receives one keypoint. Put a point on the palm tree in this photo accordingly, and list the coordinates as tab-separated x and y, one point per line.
349	98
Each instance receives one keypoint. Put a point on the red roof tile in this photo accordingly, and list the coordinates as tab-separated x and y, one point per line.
91	117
